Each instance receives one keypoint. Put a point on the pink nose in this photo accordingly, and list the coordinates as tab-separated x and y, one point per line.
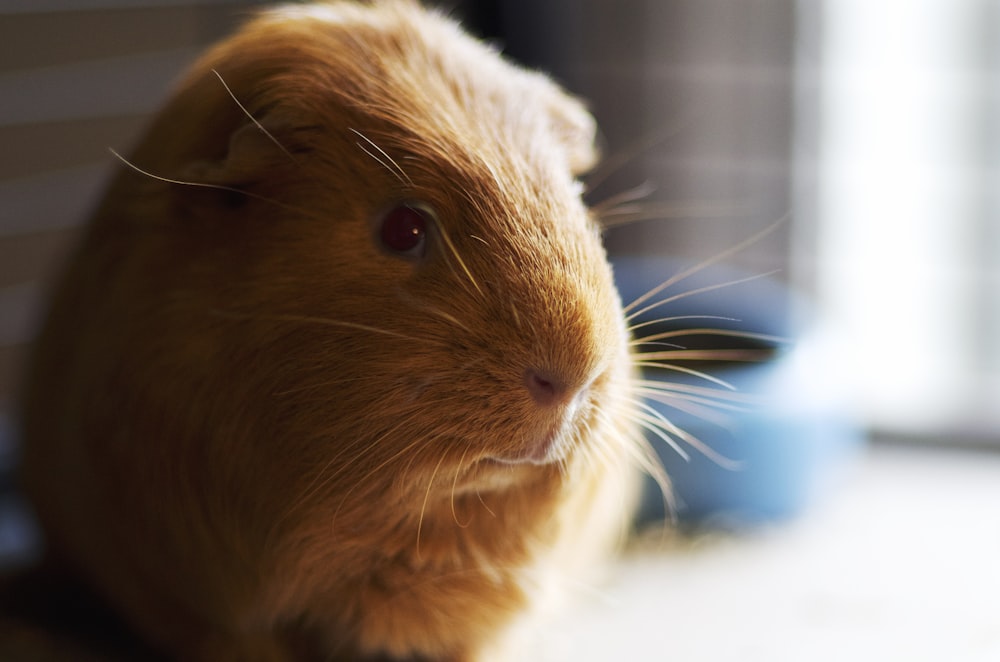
545	389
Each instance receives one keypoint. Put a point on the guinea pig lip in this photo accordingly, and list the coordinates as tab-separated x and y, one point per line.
546	451
496	460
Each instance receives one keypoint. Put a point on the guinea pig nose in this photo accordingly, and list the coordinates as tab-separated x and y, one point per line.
544	388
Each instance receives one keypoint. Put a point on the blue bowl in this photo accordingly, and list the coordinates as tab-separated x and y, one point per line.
780	451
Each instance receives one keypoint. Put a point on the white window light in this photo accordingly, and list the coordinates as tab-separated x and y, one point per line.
903	191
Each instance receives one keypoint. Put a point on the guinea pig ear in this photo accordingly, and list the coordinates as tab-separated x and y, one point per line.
576	129
252	151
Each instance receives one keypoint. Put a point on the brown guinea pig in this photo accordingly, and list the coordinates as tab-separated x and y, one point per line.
339	370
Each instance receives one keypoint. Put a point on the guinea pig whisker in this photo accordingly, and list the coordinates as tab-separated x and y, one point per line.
403	452
715	408
674	318
646	358
644	456
325	321
446	316
632	314
662	427
707	412
707	392
482	502
627	214
700	266
454	487
657	338
461	263
631	195
656	423
616	161
322	478
670	397
685	370
600	454
205	185
388	163
250	116
361	449
644	343
423	506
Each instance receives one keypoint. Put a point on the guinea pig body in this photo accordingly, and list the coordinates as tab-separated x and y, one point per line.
338	370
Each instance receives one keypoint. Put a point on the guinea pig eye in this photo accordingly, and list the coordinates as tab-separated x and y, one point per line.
403	230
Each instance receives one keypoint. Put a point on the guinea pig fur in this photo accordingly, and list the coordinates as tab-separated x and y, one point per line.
338	370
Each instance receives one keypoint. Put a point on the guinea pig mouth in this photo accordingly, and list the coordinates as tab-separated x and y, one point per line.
538	452
545	448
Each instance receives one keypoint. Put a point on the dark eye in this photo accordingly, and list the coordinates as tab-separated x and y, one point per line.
403	230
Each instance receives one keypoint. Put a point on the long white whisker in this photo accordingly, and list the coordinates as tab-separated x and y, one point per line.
251	117
646	458
651	424
641	454
670	431
658	386
687	371
395	169
610	204
669	398
214	187
676	318
636	213
381	162
688	293
704	264
616	161
709	413
708	331
703	355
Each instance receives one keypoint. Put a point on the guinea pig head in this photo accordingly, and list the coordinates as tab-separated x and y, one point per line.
402	224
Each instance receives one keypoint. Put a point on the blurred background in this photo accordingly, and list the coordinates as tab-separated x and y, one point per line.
871	129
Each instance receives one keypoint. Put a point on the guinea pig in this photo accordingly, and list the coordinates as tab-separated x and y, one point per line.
338	370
